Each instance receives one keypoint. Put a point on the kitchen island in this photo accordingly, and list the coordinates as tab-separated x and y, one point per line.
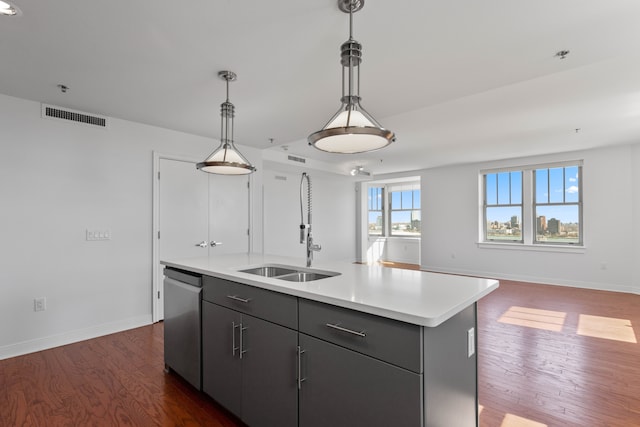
363	346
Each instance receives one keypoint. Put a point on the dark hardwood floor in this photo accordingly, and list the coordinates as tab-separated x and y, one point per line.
558	356
548	356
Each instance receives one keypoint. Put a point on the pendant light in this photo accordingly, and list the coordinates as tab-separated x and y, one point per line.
226	159
351	129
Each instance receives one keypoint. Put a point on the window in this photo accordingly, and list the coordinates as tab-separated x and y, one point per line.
376	211
394	210
503	206
404	210
558	205
539	204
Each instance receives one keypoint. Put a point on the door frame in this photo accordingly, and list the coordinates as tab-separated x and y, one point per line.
155	277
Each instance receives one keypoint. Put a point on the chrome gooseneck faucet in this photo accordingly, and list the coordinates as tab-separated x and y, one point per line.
311	247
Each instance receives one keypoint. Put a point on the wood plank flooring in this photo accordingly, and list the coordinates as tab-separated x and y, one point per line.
115	380
558	356
548	356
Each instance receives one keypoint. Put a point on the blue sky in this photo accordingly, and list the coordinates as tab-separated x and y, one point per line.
554	185
408	199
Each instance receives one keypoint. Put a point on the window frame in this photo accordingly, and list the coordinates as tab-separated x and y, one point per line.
528	222
386	204
381	210
486	205
535	203
412	187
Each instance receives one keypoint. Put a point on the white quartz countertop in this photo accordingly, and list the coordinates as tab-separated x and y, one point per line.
417	297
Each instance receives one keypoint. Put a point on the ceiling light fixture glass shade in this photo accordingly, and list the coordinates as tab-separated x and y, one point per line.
9	9
351	129
226	159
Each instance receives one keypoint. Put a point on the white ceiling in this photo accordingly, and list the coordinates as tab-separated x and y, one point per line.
457	81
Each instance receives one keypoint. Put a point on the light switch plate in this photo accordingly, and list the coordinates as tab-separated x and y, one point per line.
471	342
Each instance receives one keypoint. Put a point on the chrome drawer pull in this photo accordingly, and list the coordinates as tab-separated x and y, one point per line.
237	298
349	331
233	338
300	380
242	350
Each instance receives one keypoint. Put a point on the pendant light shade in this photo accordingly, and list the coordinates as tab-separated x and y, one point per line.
351	129
226	159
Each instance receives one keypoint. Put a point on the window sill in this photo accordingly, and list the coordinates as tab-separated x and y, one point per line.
533	248
394	238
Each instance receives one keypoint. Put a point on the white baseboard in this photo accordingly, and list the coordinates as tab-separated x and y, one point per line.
45	343
613	287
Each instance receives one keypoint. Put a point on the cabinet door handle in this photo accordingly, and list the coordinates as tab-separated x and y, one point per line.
237	298
233	338
349	331
242	350
299	379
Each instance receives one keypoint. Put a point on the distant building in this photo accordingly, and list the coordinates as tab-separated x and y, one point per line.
515	222
542	224
553	226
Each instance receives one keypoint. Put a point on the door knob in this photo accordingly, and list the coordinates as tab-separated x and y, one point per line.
202	244
214	243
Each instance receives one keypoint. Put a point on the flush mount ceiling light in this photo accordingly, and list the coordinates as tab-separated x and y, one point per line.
226	159
9	9
351	129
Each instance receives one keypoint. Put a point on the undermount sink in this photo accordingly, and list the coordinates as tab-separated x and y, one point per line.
305	276
289	273
269	271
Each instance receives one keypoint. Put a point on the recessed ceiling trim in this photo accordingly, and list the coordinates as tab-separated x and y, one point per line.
53	112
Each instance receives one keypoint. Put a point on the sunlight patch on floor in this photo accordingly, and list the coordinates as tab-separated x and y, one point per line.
606	327
534	318
511	420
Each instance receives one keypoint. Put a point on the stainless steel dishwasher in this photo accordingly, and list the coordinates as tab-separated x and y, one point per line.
182	324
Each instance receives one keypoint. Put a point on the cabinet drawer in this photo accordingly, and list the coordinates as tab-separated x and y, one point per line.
389	340
272	306
344	388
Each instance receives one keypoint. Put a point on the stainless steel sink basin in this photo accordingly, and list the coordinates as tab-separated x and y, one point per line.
289	273
305	276
269	271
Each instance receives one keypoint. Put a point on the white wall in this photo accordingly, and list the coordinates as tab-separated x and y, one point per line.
58	179
333	214
450	205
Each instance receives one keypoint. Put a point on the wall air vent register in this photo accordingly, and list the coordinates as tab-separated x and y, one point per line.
297	159
66	114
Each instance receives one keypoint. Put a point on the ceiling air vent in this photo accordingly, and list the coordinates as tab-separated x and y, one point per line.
58	113
297	159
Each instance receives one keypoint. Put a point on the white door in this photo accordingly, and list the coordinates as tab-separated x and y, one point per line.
196	209
228	213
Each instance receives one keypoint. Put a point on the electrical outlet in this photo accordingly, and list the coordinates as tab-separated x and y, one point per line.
39	304
471	342
93	235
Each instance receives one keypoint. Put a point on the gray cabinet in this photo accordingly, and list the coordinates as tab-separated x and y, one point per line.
358	369
343	388
249	364
221	366
277	360
396	342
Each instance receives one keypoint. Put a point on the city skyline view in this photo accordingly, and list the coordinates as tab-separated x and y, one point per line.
554	213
